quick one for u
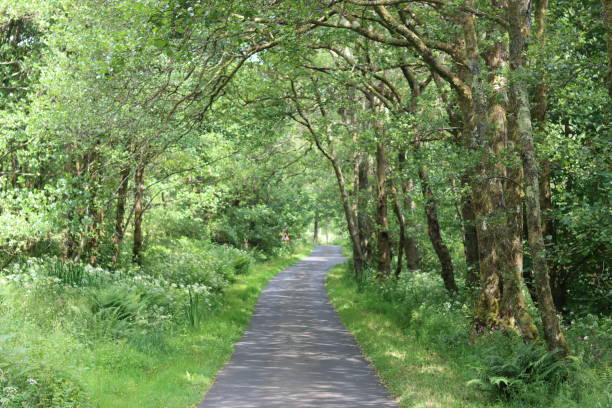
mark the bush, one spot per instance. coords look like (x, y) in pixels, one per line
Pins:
(511, 370)
(69, 273)
(259, 227)
(51, 391)
(188, 262)
(27, 383)
(591, 338)
(242, 263)
(427, 310)
(121, 304)
(116, 311)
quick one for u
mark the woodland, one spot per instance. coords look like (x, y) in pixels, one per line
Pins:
(154, 152)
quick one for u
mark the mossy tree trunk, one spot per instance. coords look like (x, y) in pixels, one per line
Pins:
(411, 248)
(470, 237)
(518, 13)
(495, 186)
(122, 192)
(382, 217)
(139, 190)
(364, 221)
(435, 235)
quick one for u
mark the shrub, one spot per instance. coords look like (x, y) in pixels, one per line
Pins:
(115, 312)
(591, 338)
(258, 227)
(511, 370)
(32, 385)
(188, 262)
(427, 310)
(231, 260)
(242, 263)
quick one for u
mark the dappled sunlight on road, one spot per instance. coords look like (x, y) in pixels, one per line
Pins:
(296, 352)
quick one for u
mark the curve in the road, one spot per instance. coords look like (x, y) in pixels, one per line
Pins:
(296, 352)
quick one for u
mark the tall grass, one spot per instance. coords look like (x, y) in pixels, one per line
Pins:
(193, 309)
(69, 273)
(76, 336)
(418, 338)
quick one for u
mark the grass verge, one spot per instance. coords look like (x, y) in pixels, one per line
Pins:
(415, 374)
(180, 374)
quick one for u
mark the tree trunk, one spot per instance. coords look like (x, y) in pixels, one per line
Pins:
(122, 192)
(539, 112)
(411, 249)
(382, 218)
(474, 138)
(500, 302)
(507, 209)
(401, 221)
(484, 188)
(364, 221)
(349, 213)
(470, 238)
(518, 17)
(433, 228)
(358, 261)
(138, 213)
(315, 235)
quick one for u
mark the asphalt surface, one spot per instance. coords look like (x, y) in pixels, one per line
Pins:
(296, 352)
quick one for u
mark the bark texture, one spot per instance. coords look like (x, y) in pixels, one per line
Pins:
(495, 192)
(519, 30)
(138, 213)
(558, 276)
(382, 216)
(411, 248)
(364, 221)
(401, 222)
(470, 237)
(119, 233)
(315, 234)
(433, 228)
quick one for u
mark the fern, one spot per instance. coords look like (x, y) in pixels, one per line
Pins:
(524, 372)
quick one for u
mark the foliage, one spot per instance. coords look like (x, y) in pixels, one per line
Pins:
(45, 389)
(524, 373)
(424, 356)
(426, 309)
(28, 382)
(592, 337)
(190, 262)
(58, 318)
(152, 152)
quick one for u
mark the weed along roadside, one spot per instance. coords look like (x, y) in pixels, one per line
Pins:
(105, 358)
(179, 379)
(420, 346)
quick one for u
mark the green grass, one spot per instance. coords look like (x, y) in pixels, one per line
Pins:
(416, 375)
(180, 374)
(423, 353)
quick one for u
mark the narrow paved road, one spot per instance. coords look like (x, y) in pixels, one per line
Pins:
(296, 352)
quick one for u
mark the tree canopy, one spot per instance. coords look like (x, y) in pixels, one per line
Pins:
(469, 139)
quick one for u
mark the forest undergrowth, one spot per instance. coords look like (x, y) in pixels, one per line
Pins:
(73, 335)
(427, 352)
